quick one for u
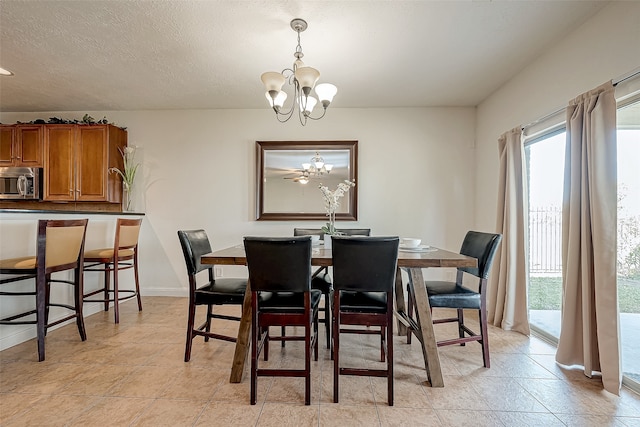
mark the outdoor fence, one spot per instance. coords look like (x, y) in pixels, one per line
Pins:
(545, 240)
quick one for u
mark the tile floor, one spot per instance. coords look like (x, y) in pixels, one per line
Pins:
(133, 374)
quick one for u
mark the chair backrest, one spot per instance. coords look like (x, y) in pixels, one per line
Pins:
(279, 264)
(482, 246)
(127, 233)
(195, 243)
(364, 263)
(319, 232)
(61, 243)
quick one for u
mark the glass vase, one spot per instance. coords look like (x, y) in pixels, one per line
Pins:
(327, 241)
(126, 198)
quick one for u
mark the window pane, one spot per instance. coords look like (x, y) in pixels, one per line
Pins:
(629, 237)
(545, 166)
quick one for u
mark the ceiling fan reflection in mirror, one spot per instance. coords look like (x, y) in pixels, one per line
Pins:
(302, 177)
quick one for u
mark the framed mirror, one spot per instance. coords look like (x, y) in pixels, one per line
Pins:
(290, 172)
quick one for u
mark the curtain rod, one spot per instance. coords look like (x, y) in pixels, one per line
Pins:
(615, 82)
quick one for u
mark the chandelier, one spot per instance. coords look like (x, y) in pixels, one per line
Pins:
(303, 80)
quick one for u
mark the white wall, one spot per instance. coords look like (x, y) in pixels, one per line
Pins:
(604, 48)
(416, 177)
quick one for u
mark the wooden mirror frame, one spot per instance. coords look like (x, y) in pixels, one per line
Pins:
(351, 197)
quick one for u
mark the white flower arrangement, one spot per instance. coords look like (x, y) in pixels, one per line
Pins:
(332, 202)
(129, 173)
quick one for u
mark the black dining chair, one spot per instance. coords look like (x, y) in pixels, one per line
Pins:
(281, 295)
(321, 279)
(444, 294)
(213, 292)
(364, 270)
(59, 247)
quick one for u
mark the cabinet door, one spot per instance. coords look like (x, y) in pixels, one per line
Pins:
(7, 146)
(59, 160)
(29, 144)
(91, 158)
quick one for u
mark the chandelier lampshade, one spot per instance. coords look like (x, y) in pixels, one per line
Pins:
(301, 79)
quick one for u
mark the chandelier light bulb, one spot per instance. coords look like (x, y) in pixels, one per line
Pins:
(326, 92)
(306, 104)
(307, 77)
(272, 81)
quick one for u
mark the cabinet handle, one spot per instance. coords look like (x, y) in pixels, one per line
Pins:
(18, 157)
(77, 191)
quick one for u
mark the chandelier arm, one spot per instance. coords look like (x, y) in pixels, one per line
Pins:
(324, 111)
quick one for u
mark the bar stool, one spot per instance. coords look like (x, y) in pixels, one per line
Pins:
(60, 247)
(122, 256)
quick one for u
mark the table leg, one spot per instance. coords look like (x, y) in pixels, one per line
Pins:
(242, 343)
(425, 322)
(400, 303)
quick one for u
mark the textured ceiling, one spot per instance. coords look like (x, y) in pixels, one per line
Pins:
(147, 55)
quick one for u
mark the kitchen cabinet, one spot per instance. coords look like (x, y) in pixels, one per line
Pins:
(77, 159)
(22, 145)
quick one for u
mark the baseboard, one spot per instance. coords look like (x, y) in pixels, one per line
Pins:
(164, 292)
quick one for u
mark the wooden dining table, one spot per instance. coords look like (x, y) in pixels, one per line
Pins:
(411, 262)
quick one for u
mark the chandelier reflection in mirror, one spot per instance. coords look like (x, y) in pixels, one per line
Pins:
(317, 167)
(303, 80)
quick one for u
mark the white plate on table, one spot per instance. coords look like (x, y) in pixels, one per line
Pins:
(421, 248)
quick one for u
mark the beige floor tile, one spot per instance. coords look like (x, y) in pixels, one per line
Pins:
(98, 379)
(529, 419)
(53, 410)
(45, 377)
(229, 414)
(115, 411)
(506, 394)
(590, 420)
(241, 393)
(288, 415)
(407, 393)
(193, 383)
(407, 417)
(341, 415)
(471, 418)
(12, 404)
(292, 390)
(352, 390)
(166, 412)
(145, 381)
(457, 393)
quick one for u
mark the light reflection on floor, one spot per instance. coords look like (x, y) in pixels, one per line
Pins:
(549, 321)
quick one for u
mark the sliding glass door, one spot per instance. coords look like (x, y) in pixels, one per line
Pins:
(629, 238)
(545, 169)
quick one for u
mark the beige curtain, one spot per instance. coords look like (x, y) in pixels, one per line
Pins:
(590, 318)
(507, 293)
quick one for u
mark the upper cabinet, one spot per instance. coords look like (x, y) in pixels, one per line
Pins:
(77, 159)
(21, 145)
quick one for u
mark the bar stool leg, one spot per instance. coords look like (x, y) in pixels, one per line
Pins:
(135, 273)
(107, 283)
(41, 289)
(78, 291)
(116, 311)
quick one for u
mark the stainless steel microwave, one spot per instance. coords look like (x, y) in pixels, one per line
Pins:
(20, 183)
